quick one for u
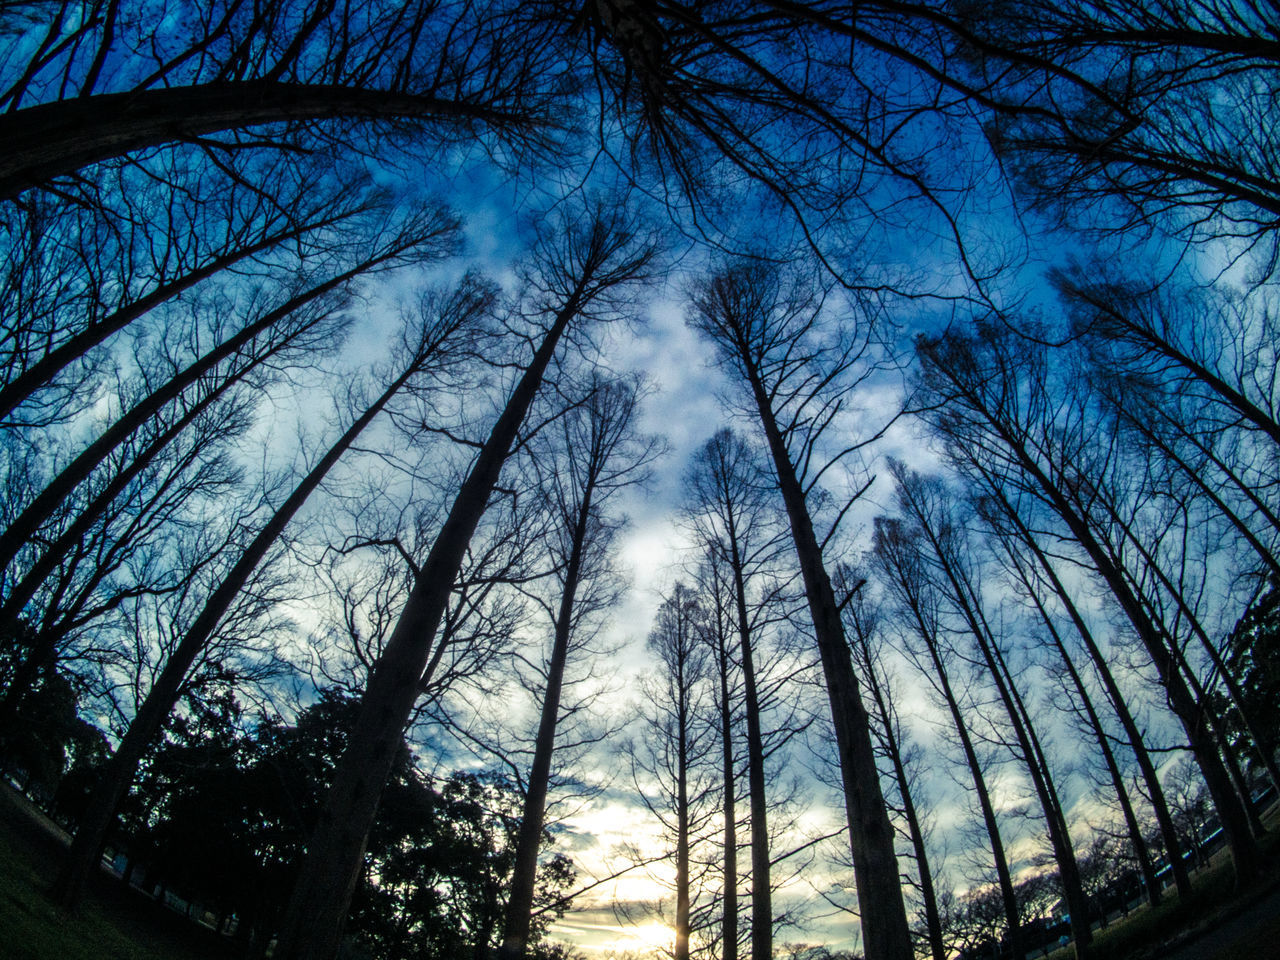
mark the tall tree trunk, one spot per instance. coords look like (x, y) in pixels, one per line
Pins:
(681, 951)
(313, 924)
(761, 883)
(54, 553)
(892, 748)
(728, 771)
(1134, 829)
(1119, 704)
(57, 138)
(519, 912)
(1234, 693)
(110, 789)
(24, 527)
(1004, 879)
(883, 915)
(1232, 816)
(967, 602)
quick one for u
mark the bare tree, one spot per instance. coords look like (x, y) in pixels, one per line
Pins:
(716, 635)
(572, 278)
(862, 619)
(1174, 594)
(97, 81)
(438, 338)
(155, 546)
(217, 389)
(668, 762)
(598, 455)
(1081, 701)
(899, 557)
(995, 398)
(798, 368)
(730, 507)
(371, 574)
(1009, 520)
(1144, 111)
(206, 392)
(928, 505)
(411, 241)
(85, 273)
(1181, 339)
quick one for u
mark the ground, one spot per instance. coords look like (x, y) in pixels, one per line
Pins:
(114, 924)
(123, 924)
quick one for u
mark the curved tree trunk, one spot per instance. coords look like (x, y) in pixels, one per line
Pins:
(52, 363)
(53, 139)
(24, 527)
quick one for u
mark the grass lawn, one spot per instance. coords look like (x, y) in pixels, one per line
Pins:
(1143, 932)
(33, 930)
(113, 924)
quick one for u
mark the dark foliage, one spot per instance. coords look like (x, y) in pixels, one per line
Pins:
(221, 814)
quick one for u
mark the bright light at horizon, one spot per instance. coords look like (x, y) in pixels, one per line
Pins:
(651, 934)
(643, 939)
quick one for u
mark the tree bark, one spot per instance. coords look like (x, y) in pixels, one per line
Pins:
(519, 912)
(313, 924)
(883, 916)
(58, 138)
